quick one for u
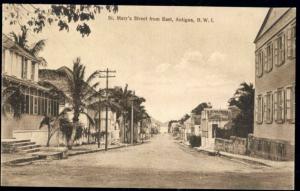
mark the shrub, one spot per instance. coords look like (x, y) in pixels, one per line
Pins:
(195, 141)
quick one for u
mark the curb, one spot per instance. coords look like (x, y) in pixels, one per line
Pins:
(244, 160)
(93, 151)
(21, 160)
(221, 154)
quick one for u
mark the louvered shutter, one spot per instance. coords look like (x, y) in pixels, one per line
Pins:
(283, 49)
(256, 64)
(265, 60)
(276, 52)
(289, 43)
(275, 106)
(282, 104)
(271, 108)
(265, 108)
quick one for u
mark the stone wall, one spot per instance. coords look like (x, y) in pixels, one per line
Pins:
(235, 145)
(270, 148)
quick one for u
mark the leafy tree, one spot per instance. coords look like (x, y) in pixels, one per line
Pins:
(244, 99)
(13, 97)
(197, 110)
(37, 17)
(80, 91)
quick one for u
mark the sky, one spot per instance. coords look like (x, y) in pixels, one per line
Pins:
(174, 65)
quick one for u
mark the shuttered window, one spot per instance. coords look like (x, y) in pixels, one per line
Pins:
(259, 63)
(259, 109)
(281, 50)
(269, 58)
(279, 111)
(291, 42)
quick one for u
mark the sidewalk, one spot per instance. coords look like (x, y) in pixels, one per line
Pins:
(288, 165)
(20, 159)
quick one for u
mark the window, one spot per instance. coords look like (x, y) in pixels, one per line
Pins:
(279, 106)
(290, 104)
(46, 106)
(24, 67)
(35, 106)
(32, 70)
(259, 109)
(26, 103)
(291, 42)
(259, 63)
(279, 50)
(31, 104)
(269, 58)
(268, 107)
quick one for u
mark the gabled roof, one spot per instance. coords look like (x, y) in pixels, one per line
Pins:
(275, 14)
(10, 44)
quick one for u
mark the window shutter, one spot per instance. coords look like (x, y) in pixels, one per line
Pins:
(276, 52)
(283, 105)
(265, 108)
(265, 60)
(294, 41)
(275, 105)
(293, 104)
(271, 58)
(256, 109)
(261, 109)
(289, 43)
(271, 108)
(283, 49)
(256, 64)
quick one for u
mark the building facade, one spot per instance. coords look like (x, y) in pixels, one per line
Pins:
(275, 59)
(211, 120)
(20, 69)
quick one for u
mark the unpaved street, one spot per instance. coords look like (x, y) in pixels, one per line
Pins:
(159, 163)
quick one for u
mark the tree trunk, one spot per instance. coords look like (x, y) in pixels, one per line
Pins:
(71, 140)
(48, 140)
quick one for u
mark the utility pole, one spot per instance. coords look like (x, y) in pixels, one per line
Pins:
(131, 128)
(107, 72)
(99, 128)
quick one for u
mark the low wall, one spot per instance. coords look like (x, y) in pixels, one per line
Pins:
(235, 145)
(270, 148)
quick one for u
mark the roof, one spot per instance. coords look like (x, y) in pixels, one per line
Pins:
(10, 44)
(24, 82)
(273, 15)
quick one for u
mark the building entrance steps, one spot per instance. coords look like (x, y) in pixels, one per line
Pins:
(18, 146)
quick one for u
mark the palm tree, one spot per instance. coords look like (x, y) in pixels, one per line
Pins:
(53, 123)
(81, 91)
(22, 41)
(123, 99)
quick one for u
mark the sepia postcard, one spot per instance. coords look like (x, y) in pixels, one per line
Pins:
(115, 96)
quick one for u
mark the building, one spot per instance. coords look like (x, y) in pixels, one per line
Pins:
(275, 60)
(20, 69)
(211, 120)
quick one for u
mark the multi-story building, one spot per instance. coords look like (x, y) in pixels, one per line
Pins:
(20, 69)
(275, 58)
